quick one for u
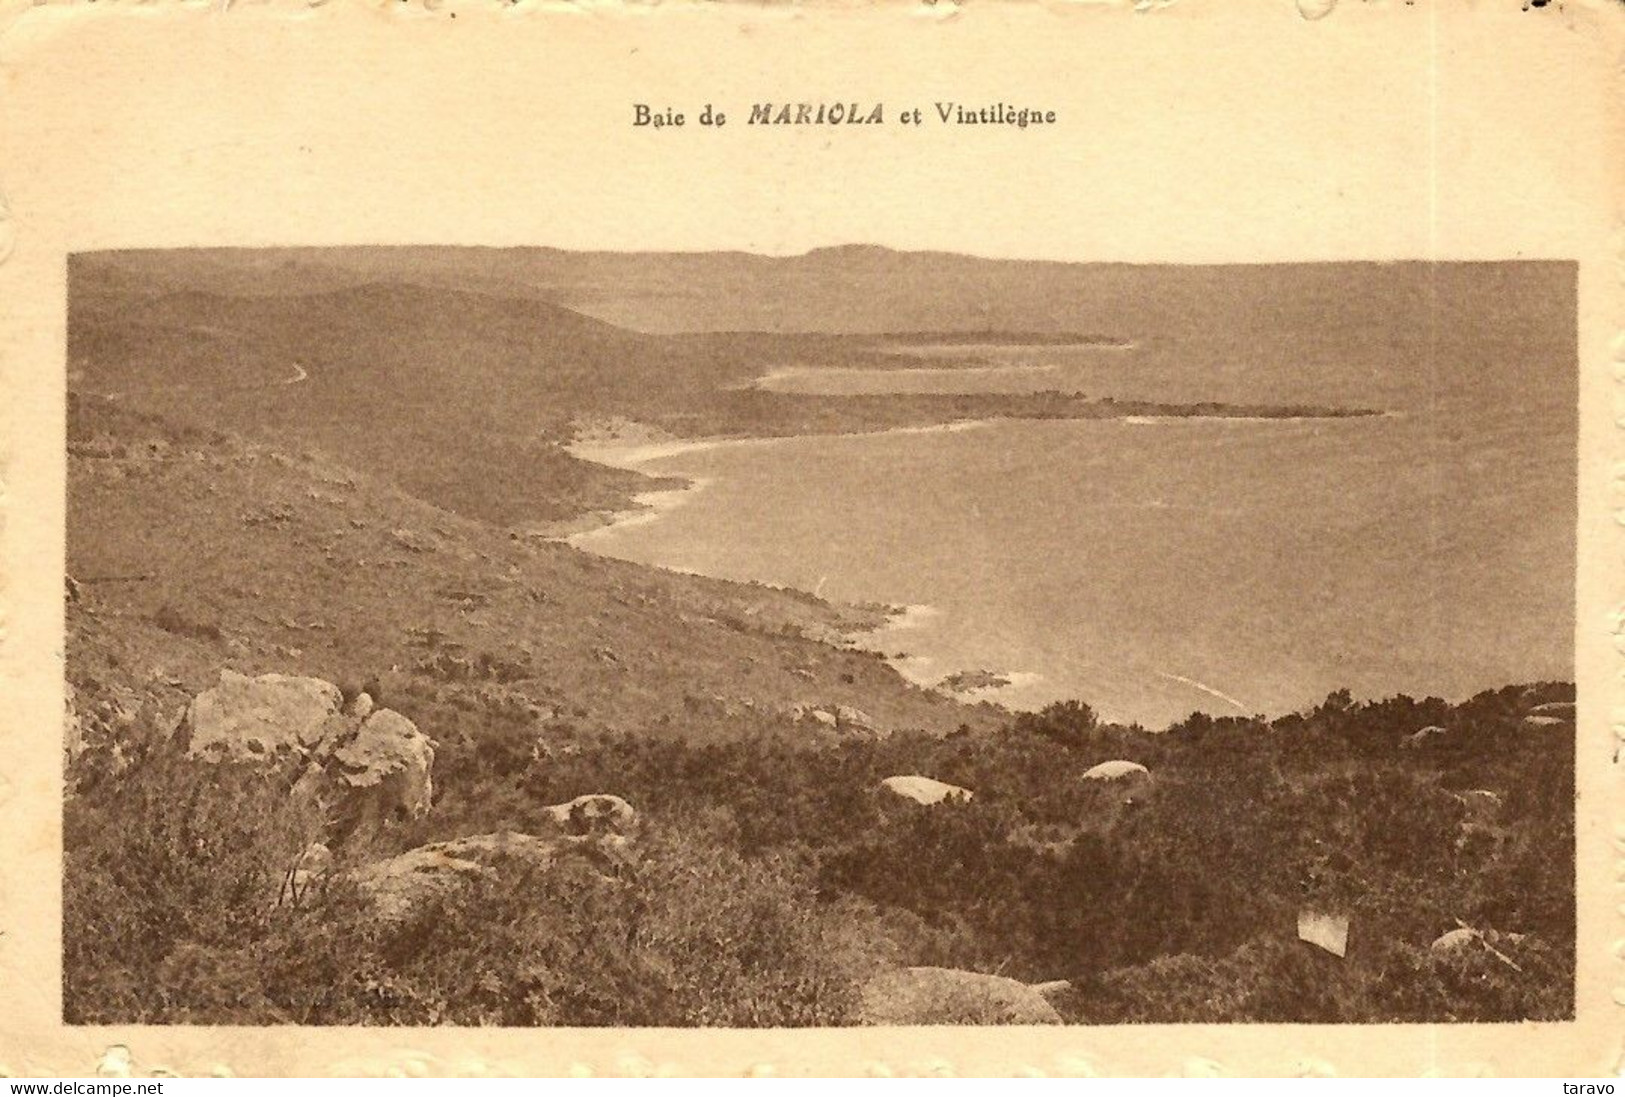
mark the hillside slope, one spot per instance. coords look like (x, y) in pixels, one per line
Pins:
(197, 550)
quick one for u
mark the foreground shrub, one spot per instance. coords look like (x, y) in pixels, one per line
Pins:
(171, 916)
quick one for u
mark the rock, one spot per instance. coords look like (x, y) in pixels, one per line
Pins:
(389, 765)
(1456, 940)
(1118, 769)
(855, 719)
(1422, 737)
(1055, 988)
(255, 719)
(400, 885)
(945, 996)
(1544, 722)
(365, 766)
(1467, 939)
(925, 790)
(1563, 710)
(807, 714)
(596, 814)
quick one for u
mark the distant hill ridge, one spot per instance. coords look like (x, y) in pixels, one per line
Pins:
(853, 288)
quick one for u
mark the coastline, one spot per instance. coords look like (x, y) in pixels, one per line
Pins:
(646, 445)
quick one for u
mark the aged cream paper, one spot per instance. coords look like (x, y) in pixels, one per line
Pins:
(1184, 133)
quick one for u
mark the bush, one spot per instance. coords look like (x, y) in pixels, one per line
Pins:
(175, 860)
(774, 875)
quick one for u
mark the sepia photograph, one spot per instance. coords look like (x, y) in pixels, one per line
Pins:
(526, 637)
(613, 540)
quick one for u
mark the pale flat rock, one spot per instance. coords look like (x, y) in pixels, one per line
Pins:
(1456, 940)
(946, 996)
(925, 790)
(1117, 769)
(255, 719)
(809, 714)
(1423, 736)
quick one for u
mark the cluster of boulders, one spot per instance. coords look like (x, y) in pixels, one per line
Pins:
(365, 765)
(1550, 714)
(368, 767)
(842, 719)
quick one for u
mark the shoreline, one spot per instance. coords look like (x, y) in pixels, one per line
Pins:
(971, 681)
(649, 505)
(766, 382)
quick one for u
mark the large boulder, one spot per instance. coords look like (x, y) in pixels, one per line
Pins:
(387, 768)
(945, 996)
(1118, 769)
(925, 790)
(247, 719)
(401, 885)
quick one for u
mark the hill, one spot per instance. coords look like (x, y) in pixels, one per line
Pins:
(466, 395)
(195, 550)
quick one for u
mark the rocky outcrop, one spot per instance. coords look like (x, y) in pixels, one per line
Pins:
(247, 719)
(388, 767)
(841, 719)
(402, 885)
(925, 790)
(946, 996)
(368, 766)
